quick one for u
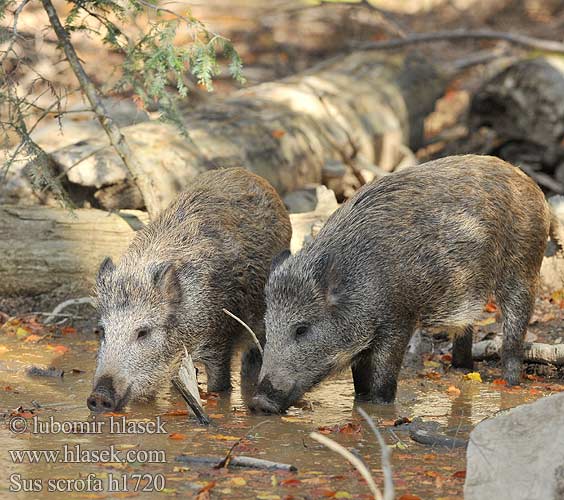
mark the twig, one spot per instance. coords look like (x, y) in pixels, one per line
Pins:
(386, 18)
(250, 462)
(16, 14)
(389, 492)
(247, 327)
(477, 58)
(67, 303)
(228, 457)
(425, 436)
(437, 36)
(359, 465)
(117, 140)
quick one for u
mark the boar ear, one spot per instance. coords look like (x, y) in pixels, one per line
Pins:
(278, 259)
(328, 278)
(106, 267)
(163, 277)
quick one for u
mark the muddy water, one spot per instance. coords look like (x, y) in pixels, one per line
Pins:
(418, 470)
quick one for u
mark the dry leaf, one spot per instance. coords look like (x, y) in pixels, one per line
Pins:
(473, 376)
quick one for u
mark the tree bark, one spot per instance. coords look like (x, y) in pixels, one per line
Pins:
(525, 102)
(51, 249)
(358, 108)
(533, 352)
(117, 140)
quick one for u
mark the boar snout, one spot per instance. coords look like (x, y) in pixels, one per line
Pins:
(103, 397)
(270, 400)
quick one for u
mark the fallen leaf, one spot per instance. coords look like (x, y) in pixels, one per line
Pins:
(207, 487)
(3, 348)
(222, 437)
(33, 338)
(177, 435)
(176, 413)
(59, 349)
(68, 330)
(408, 496)
(21, 333)
(238, 481)
(342, 494)
(557, 296)
(290, 482)
(267, 496)
(278, 133)
(348, 428)
(453, 390)
(490, 307)
(473, 376)
(460, 474)
(499, 381)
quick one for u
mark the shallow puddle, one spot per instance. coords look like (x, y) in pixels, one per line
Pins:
(148, 460)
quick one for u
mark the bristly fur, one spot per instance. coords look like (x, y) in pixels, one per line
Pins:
(425, 246)
(210, 249)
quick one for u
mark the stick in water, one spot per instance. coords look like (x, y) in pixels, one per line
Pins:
(389, 493)
(359, 465)
(187, 385)
(247, 327)
(250, 462)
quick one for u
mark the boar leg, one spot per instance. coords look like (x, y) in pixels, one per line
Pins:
(251, 364)
(218, 369)
(375, 370)
(516, 308)
(462, 348)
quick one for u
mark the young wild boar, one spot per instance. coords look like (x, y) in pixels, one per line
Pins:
(426, 246)
(210, 249)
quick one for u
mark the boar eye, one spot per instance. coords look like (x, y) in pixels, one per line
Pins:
(143, 333)
(100, 332)
(301, 330)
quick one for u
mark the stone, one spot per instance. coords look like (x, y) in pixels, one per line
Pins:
(518, 455)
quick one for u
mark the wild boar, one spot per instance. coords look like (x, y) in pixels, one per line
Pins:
(426, 246)
(210, 249)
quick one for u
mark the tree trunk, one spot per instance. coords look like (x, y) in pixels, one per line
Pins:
(358, 108)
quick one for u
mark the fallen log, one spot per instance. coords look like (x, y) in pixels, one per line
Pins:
(533, 352)
(48, 250)
(523, 105)
(362, 107)
(51, 249)
(525, 101)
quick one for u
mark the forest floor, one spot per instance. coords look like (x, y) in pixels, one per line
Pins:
(429, 389)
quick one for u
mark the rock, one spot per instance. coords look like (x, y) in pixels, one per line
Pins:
(518, 455)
